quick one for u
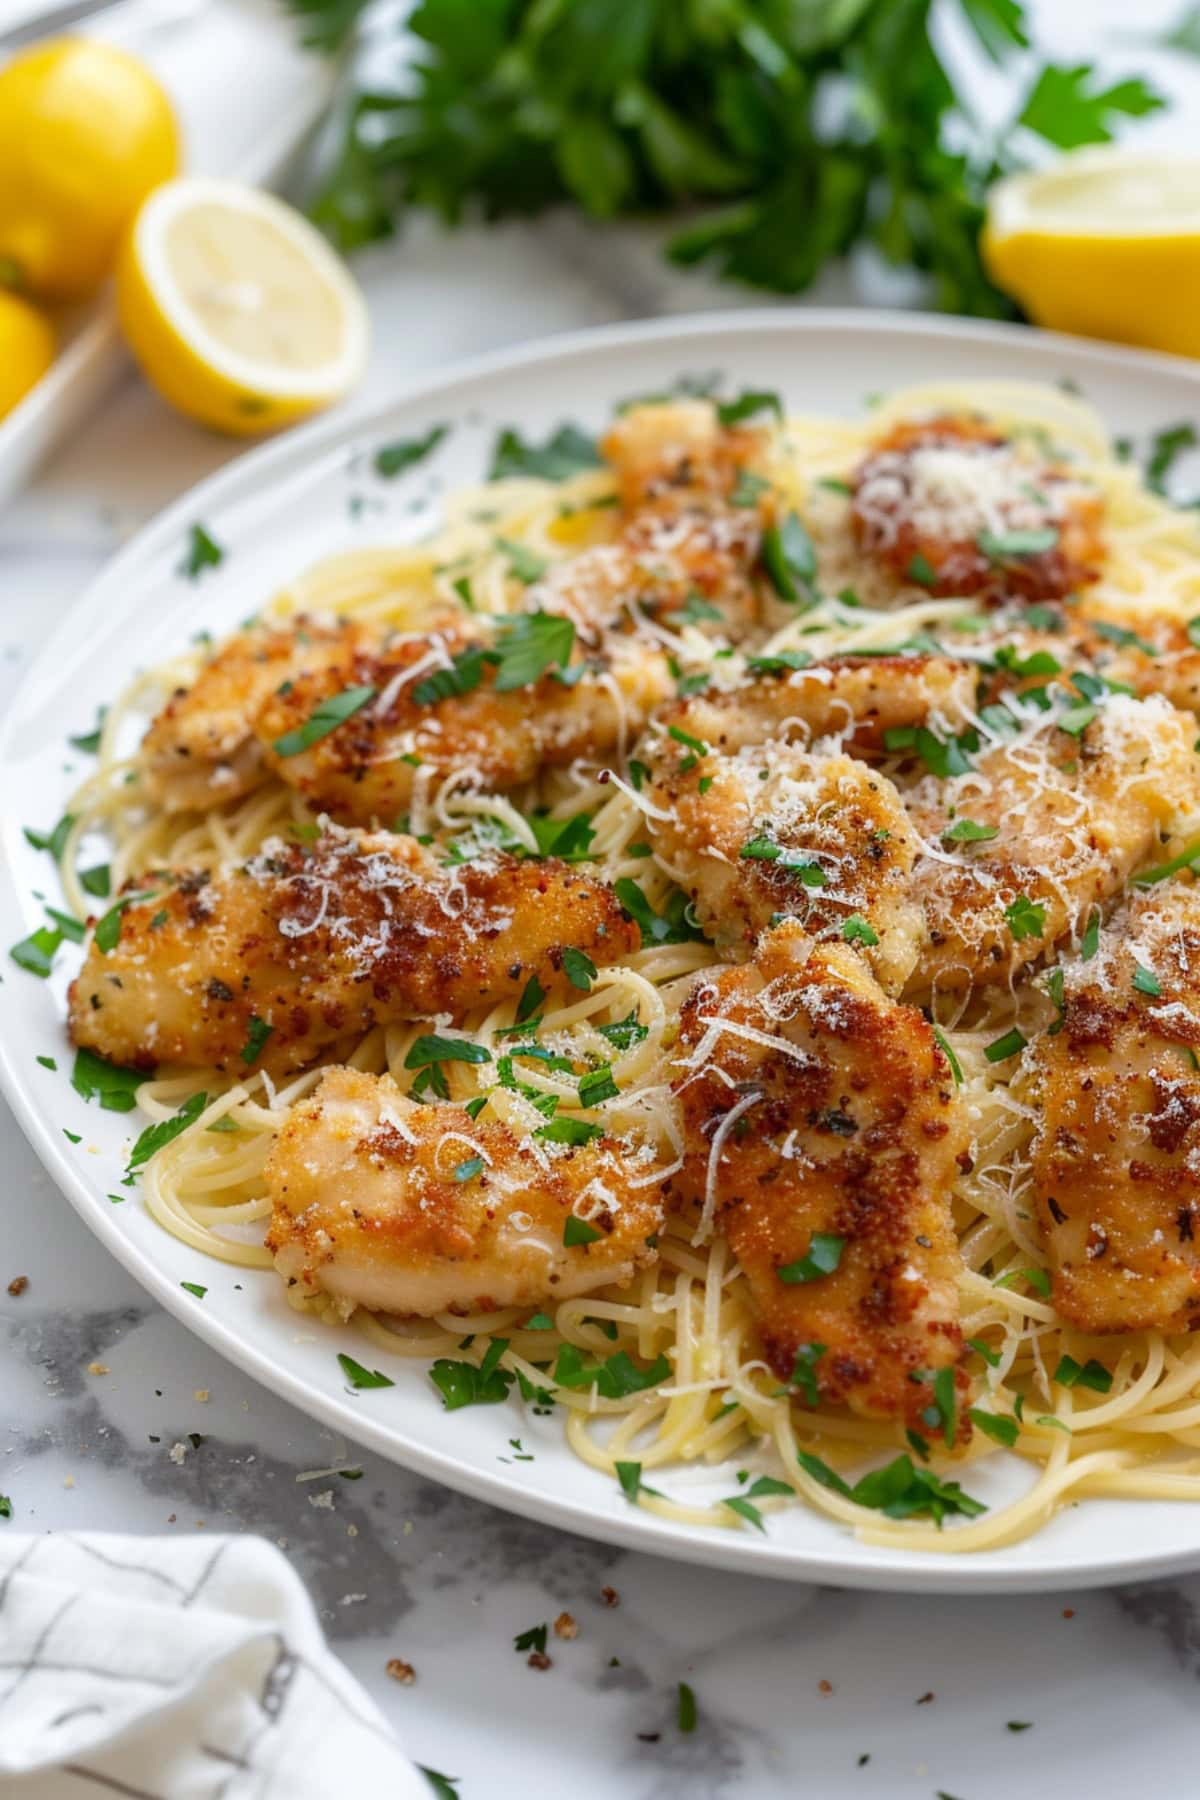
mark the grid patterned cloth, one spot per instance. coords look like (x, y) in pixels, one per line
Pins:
(188, 1668)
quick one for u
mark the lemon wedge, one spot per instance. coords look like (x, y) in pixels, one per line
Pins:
(26, 349)
(236, 308)
(1104, 242)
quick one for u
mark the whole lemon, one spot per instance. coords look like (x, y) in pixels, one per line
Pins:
(85, 133)
(26, 349)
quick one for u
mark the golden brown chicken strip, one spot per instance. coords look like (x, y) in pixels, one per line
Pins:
(201, 750)
(952, 505)
(777, 831)
(1116, 1154)
(856, 699)
(431, 706)
(822, 1127)
(1042, 826)
(299, 951)
(419, 1209)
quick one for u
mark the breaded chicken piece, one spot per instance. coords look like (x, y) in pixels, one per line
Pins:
(1073, 814)
(415, 1209)
(952, 505)
(1116, 1152)
(837, 1138)
(690, 528)
(777, 830)
(854, 698)
(320, 945)
(365, 768)
(201, 751)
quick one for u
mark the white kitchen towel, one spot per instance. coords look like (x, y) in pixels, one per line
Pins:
(188, 1668)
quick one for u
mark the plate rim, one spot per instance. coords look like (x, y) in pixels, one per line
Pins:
(262, 467)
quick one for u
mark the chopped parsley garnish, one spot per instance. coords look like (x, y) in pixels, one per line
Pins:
(154, 1137)
(54, 841)
(533, 1639)
(463, 1384)
(6, 1507)
(392, 459)
(835, 485)
(48, 1062)
(468, 1170)
(532, 995)
(108, 927)
(1039, 662)
(578, 1231)
(789, 559)
(673, 925)
(1076, 719)
(579, 969)
(856, 930)
(1034, 1278)
(694, 744)
(35, 954)
(746, 404)
(568, 839)
(748, 490)
(324, 718)
(780, 663)
(435, 1049)
(970, 831)
(96, 1079)
(566, 452)
(539, 1322)
(96, 881)
(696, 607)
(743, 1504)
(1000, 1429)
(358, 1377)
(1162, 871)
(524, 564)
(922, 571)
(445, 1787)
(203, 552)
(1120, 634)
(764, 849)
(1001, 1048)
(999, 545)
(89, 741)
(193, 1287)
(257, 1033)
(67, 924)
(687, 1708)
(614, 1379)
(529, 645)
(899, 1490)
(1090, 942)
(1091, 1374)
(947, 1050)
(574, 1132)
(624, 1033)
(1146, 981)
(1166, 445)
(944, 757)
(596, 1086)
(804, 1372)
(1026, 918)
(465, 672)
(991, 1357)
(629, 1474)
(822, 1257)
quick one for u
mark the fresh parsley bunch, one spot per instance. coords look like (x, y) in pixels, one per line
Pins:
(799, 128)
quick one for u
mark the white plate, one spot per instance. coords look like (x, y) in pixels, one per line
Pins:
(275, 511)
(246, 94)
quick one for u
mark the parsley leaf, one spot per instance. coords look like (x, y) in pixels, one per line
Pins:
(435, 1049)
(789, 559)
(463, 1384)
(565, 452)
(358, 1377)
(671, 926)
(325, 717)
(577, 1231)
(96, 1079)
(393, 459)
(203, 552)
(578, 968)
(1026, 918)
(614, 1379)
(1068, 110)
(822, 1257)
(154, 1137)
(529, 645)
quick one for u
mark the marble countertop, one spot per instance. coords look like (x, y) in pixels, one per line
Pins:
(799, 1689)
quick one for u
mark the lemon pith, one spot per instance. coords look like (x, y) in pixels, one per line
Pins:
(236, 309)
(85, 133)
(1105, 243)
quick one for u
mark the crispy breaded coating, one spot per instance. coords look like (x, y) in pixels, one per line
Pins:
(365, 769)
(419, 1209)
(201, 750)
(775, 830)
(1073, 813)
(320, 945)
(952, 505)
(816, 1108)
(1116, 1153)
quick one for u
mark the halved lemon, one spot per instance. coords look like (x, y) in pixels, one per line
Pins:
(26, 349)
(236, 308)
(1104, 242)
